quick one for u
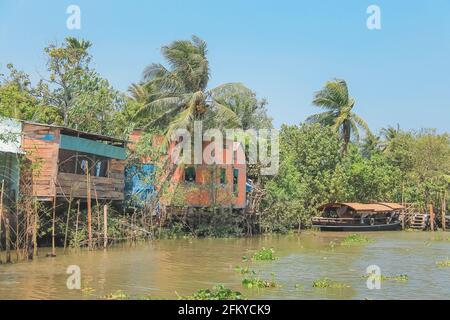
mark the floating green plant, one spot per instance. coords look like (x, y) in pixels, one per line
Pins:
(218, 292)
(118, 295)
(264, 254)
(401, 277)
(443, 263)
(244, 270)
(88, 290)
(328, 283)
(355, 239)
(257, 282)
(121, 295)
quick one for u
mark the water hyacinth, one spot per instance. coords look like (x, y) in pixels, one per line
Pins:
(328, 283)
(355, 239)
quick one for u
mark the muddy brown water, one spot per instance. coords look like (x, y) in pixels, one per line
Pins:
(167, 268)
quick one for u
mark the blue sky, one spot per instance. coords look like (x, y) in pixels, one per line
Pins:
(283, 50)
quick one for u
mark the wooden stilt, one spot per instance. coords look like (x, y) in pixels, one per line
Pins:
(35, 229)
(53, 228)
(105, 226)
(67, 221)
(403, 219)
(78, 218)
(89, 212)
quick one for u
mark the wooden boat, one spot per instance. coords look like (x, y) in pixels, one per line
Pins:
(358, 217)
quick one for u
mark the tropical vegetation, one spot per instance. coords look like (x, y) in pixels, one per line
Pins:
(326, 158)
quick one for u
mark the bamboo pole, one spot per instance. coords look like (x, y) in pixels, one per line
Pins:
(431, 217)
(99, 225)
(89, 206)
(35, 231)
(67, 221)
(105, 226)
(53, 227)
(78, 218)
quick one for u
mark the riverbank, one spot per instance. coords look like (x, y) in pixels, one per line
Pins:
(167, 268)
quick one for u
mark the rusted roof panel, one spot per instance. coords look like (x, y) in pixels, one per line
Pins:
(393, 206)
(364, 207)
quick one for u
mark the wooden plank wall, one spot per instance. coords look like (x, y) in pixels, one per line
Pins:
(41, 145)
(102, 188)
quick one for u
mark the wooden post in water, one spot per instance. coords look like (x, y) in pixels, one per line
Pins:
(105, 226)
(67, 221)
(403, 218)
(431, 217)
(89, 213)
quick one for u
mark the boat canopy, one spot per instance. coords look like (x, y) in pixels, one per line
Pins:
(363, 207)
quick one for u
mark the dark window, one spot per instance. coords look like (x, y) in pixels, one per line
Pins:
(100, 167)
(235, 180)
(223, 176)
(76, 162)
(189, 174)
(67, 161)
(83, 163)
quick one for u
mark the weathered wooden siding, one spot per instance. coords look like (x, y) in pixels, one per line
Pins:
(101, 188)
(41, 145)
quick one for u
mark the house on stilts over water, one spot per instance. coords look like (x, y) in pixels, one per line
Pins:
(63, 158)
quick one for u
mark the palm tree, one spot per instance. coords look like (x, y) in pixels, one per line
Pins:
(138, 93)
(389, 134)
(371, 145)
(178, 94)
(334, 98)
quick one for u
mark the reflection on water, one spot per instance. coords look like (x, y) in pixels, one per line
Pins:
(169, 267)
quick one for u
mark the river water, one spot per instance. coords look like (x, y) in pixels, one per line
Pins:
(165, 268)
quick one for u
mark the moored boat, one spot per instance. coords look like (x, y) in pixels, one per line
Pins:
(359, 217)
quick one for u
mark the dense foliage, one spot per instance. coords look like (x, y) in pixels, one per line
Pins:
(410, 167)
